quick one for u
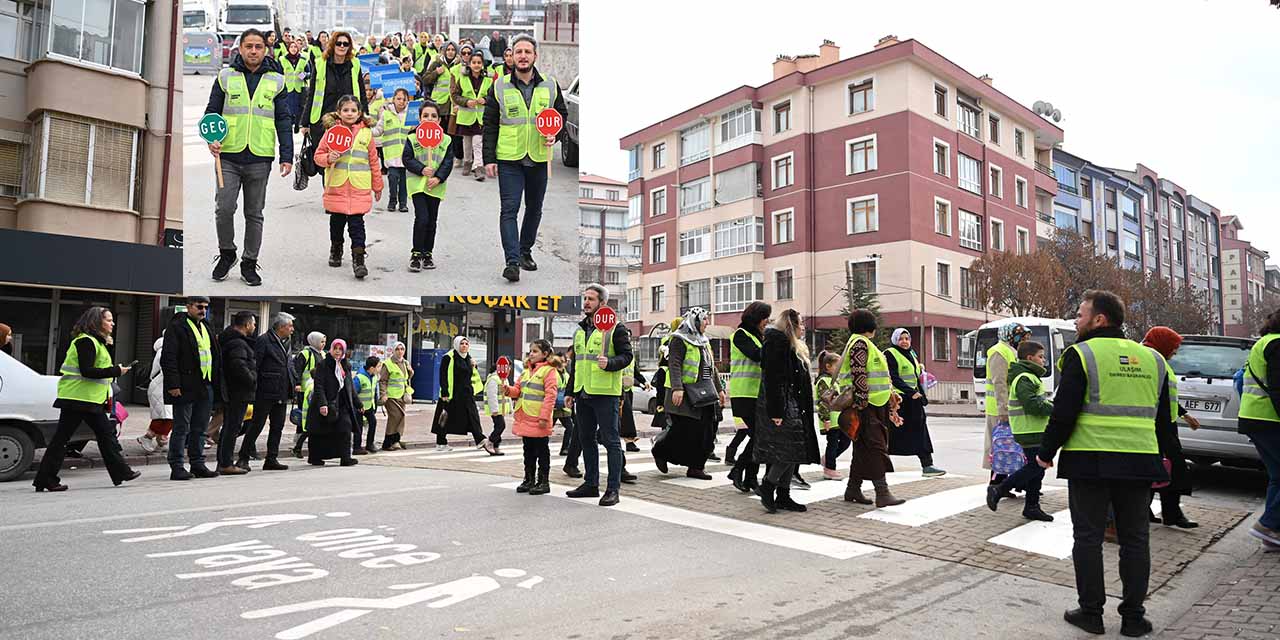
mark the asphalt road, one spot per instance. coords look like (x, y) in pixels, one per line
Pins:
(295, 248)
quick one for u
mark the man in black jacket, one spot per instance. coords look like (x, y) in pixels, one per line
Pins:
(191, 362)
(276, 382)
(239, 384)
(1099, 478)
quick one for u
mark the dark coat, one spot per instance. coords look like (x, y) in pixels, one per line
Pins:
(180, 360)
(337, 83)
(912, 438)
(239, 368)
(787, 393)
(328, 434)
(276, 379)
(284, 137)
(464, 417)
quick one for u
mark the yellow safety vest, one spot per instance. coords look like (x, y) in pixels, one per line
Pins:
(533, 389)
(1020, 422)
(416, 182)
(518, 135)
(1009, 355)
(251, 120)
(1119, 412)
(744, 373)
(365, 395)
(446, 378)
(205, 347)
(692, 364)
(826, 419)
(444, 81)
(353, 165)
(1255, 403)
(909, 369)
(317, 101)
(879, 386)
(504, 403)
(73, 386)
(587, 375)
(394, 132)
(293, 74)
(472, 115)
(396, 380)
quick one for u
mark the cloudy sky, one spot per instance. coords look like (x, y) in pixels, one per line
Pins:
(1190, 88)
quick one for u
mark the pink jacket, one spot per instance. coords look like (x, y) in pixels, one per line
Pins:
(346, 198)
(538, 426)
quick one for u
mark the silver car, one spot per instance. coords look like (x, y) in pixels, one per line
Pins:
(1205, 367)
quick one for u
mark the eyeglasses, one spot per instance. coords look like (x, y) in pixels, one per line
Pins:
(200, 306)
(341, 44)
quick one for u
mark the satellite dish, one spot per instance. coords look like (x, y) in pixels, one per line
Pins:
(1038, 107)
(1057, 115)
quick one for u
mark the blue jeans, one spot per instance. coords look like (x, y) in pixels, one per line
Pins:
(599, 412)
(516, 180)
(190, 420)
(837, 442)
(397, 191)
(1268, 446)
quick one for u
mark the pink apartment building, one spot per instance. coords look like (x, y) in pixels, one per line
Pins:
(1243, 278)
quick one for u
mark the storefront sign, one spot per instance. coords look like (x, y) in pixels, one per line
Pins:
(527, 303)
(432, 325)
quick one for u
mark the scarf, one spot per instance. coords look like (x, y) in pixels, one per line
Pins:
(897, 333)
(338, 371)
(395, 358)
(692, 326)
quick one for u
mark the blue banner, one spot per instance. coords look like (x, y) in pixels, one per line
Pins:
(369, 60)
(411, 118)
(402, 80)
(376, 73)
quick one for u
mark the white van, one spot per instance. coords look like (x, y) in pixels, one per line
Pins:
(1053, 333)
(27, 417)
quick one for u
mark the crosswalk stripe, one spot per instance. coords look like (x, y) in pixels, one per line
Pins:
(944, 504)
(450, 456)
(1053, 539)
(777, 536)
(718, 479)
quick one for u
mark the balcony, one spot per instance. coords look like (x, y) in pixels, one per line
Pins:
(1045, 169)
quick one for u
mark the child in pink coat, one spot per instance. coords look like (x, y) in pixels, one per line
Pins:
(535, 430)
(346, 196)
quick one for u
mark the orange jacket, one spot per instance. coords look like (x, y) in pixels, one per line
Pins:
(539, 426)
(346, 198)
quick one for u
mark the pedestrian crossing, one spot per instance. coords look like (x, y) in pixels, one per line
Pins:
(1051, 539)
(931, 508)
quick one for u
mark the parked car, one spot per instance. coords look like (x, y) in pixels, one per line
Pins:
(27, 417)
(645, 400)
(1205, 366)
(569, 148)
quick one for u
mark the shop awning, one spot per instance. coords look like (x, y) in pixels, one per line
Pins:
(53, 260)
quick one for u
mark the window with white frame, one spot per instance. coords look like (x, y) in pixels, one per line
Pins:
(659, 155)
(735, 292)
(695, 143)
(589, 246)
(694, 293)
(738, 183)
(969, 121)
(586, 193)
(10, 168)
(785, 284)
(695, 245)
(633, 304)
(784, 230)
(658, 298)
(968, 289)
(612, 277)
(941, 157)
(862, 96)
(993, 128)
(941, 216)
(941, 344)
(83, 161)
(696, 195)
(863, 275)
(611, 194)
(1131, 246)
(940, 100)
(964, 352)
(970, 230)
(863, 214)
(1020, 191)
(587, 275)
(635, 210)
(102, 32)
(996, 187)
(782, 117)
(615, 220)
(997, 234)
(944, 279)
(970, 173)
(1019, 143)
(17, 29)
(658, 202)
(860, 155)
(589, 218)
(1024, 241)
(736, 237)
(739, 123)
(782, 171)
(658, 249)
(637, 250)
(613, 249)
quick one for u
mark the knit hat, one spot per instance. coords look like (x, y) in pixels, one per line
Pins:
(1162, 339)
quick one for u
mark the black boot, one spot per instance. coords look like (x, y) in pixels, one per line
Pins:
(357, 263)
(784, 501)
(528, 479)
(226, 260)
(543, 485)
(766, 492)
(1031, 509)
(735, 475)
(249, 272)
(749, 475)
(335, 254)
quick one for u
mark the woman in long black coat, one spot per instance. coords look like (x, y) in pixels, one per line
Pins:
(332, 413)
(459, 379)
(912, 438)
(784, 435)
(693, 429)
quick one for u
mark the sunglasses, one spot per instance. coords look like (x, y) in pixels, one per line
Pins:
(200, 306)
(342, 44)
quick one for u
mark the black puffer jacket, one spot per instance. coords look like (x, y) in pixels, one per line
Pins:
(787, 393)
(180, 360)
(239, 367)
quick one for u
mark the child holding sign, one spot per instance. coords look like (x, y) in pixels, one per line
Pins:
(536, 402)
(428, 168)
(352, 183)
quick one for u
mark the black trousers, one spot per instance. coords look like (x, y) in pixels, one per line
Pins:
(68, 421)
(262, 411)
(627, 419)
(1090, 500)
(499, 426)
(232, 421)
(570, 441)
(365, 419)
(426, 213)
(537, 454)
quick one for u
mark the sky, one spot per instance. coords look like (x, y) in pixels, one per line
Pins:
(1189, 88)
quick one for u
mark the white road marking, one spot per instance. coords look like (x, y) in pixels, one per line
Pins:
(1053, 539)
(718, 479)
(464, 454)
(777, 536)
(921, 511)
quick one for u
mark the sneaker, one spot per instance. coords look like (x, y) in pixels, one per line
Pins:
(223, 264)
(799, 482)
(1264, 534)
(932, 472)
(443, 448)
(249, 272)
(427, 262)
(415, 263)
(511, 273)
(162, 442)
(148, 444)
(403, 208)
(831, 474)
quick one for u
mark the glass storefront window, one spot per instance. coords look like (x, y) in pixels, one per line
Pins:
(30, 324)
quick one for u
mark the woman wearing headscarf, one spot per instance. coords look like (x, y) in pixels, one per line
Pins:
(304, 364)
(744, 388)
(333, 408)
(438, 79)
(456, 412)
(784, 437)
(1166, 341)
(1002, 354)
(394, 377)
(693, 428)
(907, 374)
(157, 435)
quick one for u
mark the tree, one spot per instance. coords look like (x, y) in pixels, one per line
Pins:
(1023, 285)
(1255, 314)
(1151, 300)
(858, 295)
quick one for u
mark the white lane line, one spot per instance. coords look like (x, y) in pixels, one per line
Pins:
(412, 452)
(1053, 539)
(463, 454)
(777, 536)
(921, 511)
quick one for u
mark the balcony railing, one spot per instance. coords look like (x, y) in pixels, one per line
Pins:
(1044, 217)
(1045, 169)
(1068, 188)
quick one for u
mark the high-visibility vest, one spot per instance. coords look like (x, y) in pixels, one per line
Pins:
(396, 380)
(251, 120)
(293, 74)
(1123, 389)
(1007, 352)
(73, 386)
(533, 389)
(504, 403)
(827, 419)
(444, 81)
(309, 359)
(353, 165)
(472, 115)
(365, 395)
(662, 366)
(879, 386)
(692, 364)
(420, 58)
(744, 373)
(204, 346)
(375, 110)
(431, 157)
(317, 101)
(308, 386)
(1255, 403)
(587, 375)
(909, 369)
(1019, 420)
(446, 379)
(394, 132)
(518, 135)
(629, 376)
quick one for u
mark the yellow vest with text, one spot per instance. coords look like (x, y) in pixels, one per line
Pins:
(1255, 403)
(293, 74)
(416, 182)
(744, 373)
(73, 386)
(1011, 357)
(317, 101)
(1122, 392)
(394, 132)
(251, 120)
(518, 135)
(353, 166)
(587, 374)
(444, 83)
(909, 369)
(879, 386)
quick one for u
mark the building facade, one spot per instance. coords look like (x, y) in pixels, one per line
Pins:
(1245, 278)
(604, 253)
(887, 168)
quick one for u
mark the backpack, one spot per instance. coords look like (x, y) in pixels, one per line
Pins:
(1006, 454)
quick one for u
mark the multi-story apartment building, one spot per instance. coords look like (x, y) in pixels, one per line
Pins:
(604, 254)
(1273, 280)
(1245, 277)
(871, 168)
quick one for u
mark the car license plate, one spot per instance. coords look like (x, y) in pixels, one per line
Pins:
(1204, 405)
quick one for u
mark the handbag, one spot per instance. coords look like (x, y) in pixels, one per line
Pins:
(307, 160)
(701, 393)
(407, 398)
(1168, 469)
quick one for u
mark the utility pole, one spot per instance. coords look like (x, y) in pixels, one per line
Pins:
(920, 350)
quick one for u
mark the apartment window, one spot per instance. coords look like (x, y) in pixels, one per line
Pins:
(637, 250)
(941, 157)
(970, 230)
(1066, 177)
(102, 32)
(944, 280)
(1020, 191)
(586, 193)
(612, 194)
(736, 237)
(739, 123)
(695, 143)
(997, 235)
(611, 277)
(696, 195)
(695, 245)
(613, 249)
(1086, 187)
(658, 298)
(970, 173)
(1150, 242)
(587, 275)
(784, 226)
(658, 249)
(782, 171)
(738, 183)
(862, 97)
(860, 155)
(85, 161)
(1178, 251)
(863, 215)
(941, 216)
(1019, 143)
(615, 220)
(695, 293)
(968, 289)
(1024, 241)
(993, 129)
(633, 304)
(1129, 207)
(10, 168)
(735, 292)
(17, 20)
(969, 121)
(589, 218)
(1131, 246)
(590, 246)
(785, 284)
(940, 100)
(658, 202)
(941, 344)
(782, 117)
(863, 275)
(997, 181)
(1086, 230)
(635, 206)
(659, 155)
(633, 163)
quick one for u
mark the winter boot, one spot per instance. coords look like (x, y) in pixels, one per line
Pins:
(528, 479)
(335, 254)
(357, 263)
(766, 493)
(226, 260)
(543, 485)
(883, 497)
(749, 475)
(735, 475)
(785, 502)
(853, 491)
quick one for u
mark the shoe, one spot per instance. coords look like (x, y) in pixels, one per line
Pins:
(53, 487)
(427, 262)
(712, 457)
(853, 492)
(403, 209)
(511, 273)
(932, 472)
(528, 483)
(1181, 523)
(178, 473)
(440, 448)
(572, 472)
(766, 492)
(735, 474)
(543, 485)
(132, 475)
(348, 462)
(148, 444)
(628, 478)
(993, 496)
(527, 263)
(357, 263)
(243, 463)
(1153, 518)
(273, 464)
(831, 474)
(226, 260)
(232, 470)
(316, 463)
(1036, 513)
(479, 177)
(415, 263)
(886, 499)
(799, 482)
(488, 447)
(201, 471)
(609, 498)
(297, 452)
(730, 459)
(1090, 623)
(660, 464)
(74, 454)
(584, 491)
(335, 254)
(700, 474)
(631, 448)
(249, 272)
(371, 449)
(784, 501)
(1135, 627)
(359, 452)
(1264, 534)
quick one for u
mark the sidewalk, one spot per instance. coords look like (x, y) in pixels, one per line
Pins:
(954, 410)
(1245, 603)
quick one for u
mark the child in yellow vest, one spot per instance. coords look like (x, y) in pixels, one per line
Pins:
(426, 187)
(394, 136)
(534, 413)
(351, 182)
(837, 439)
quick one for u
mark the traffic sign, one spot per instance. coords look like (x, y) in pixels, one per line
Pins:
(549, 122)
(605, 319)
(504, 368)
(213, 128)
(429, 134)
(339, 138)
